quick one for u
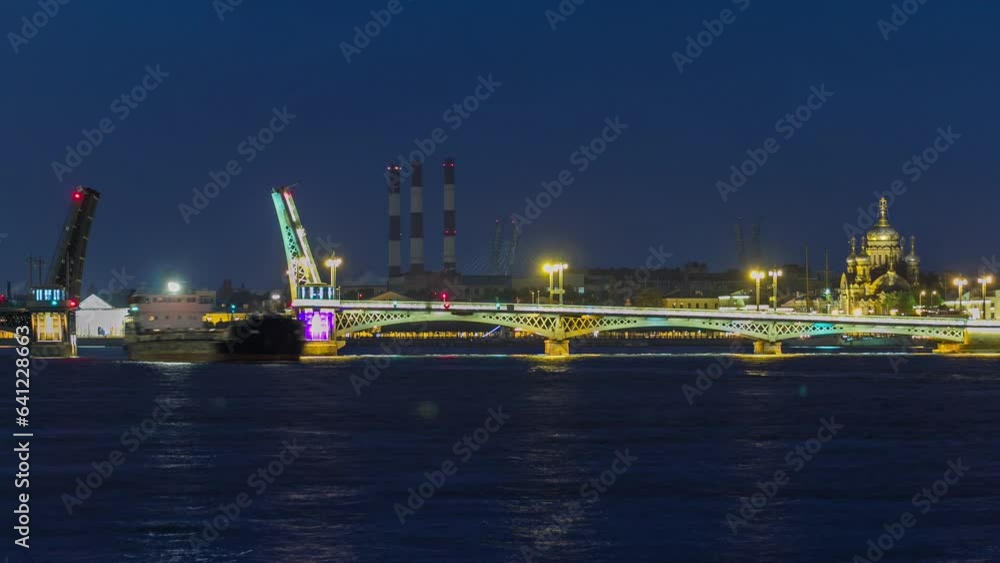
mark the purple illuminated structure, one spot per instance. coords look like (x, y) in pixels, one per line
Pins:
(319, 325)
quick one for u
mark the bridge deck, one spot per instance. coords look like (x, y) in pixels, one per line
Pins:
(646, 312)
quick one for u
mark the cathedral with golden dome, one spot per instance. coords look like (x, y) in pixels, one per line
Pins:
(879, 268)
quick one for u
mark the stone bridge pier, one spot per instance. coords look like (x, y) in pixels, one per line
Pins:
(557, 344)
(765, 348)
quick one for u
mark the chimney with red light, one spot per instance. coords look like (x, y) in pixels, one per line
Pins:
(417, 218)
(449, 216)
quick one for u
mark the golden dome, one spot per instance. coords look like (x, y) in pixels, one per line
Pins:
(853, 257)
(863, 257)
(882, 234)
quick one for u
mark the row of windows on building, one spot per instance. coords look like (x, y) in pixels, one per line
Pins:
(180, 299)
(49, 294)
(697, 305)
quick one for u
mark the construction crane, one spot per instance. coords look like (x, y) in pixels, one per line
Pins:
(302, 269)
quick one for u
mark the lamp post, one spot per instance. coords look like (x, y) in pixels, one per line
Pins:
(552, 272)
(333, 264)
(551, 269)
(921, 298)
(775, 274)
(562, 292)
(985, 280)
(757, 275)
(960, 283)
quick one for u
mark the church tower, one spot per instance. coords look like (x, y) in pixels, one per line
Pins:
(853, 258)
(863, 264)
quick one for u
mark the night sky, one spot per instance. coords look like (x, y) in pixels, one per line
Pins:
(655, 185)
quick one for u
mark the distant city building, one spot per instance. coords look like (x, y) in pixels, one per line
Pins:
(223, 317)
(974, 304)
(691, 302)
(735, 301)
(879, 268)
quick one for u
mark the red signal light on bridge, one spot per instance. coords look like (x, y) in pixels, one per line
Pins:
(72, 303)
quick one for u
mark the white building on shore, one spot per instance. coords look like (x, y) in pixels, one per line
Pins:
(95, 318)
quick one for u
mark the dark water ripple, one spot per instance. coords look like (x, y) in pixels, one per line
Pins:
(568, 418)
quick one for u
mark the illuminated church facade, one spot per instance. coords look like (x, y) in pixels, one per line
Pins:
(881, 266)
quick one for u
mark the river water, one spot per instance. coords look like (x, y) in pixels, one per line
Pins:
(521, 458)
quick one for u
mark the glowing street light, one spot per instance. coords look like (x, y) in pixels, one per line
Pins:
(333, 264)
(984, 281)
(551, 269)
(923, 293)
(173, 287)
(757, 275)
(775, 274)
(960, 283)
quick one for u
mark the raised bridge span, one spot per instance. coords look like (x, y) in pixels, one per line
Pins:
(558, 324)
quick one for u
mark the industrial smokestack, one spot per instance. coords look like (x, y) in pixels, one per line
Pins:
(417, 218)
(395, 230)
(755, 248)
(741, 251)
(449, 216)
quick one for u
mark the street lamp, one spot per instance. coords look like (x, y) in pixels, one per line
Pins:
(333, 264)
(173, 287)
(757, 275)
(775, 274)
(960, 283)
(985, 280)
(562, 292)
(551, 269)
(552, 272)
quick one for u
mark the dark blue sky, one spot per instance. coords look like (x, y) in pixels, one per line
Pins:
(655, 185)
